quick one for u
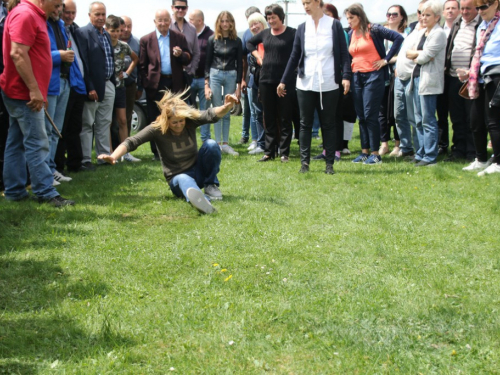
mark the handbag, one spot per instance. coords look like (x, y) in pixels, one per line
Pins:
(464, 91)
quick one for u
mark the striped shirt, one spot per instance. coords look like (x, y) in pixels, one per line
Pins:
(462, 46)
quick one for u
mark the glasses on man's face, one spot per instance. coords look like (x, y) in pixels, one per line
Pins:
(392, 15)
(180, 7)
(483, 7)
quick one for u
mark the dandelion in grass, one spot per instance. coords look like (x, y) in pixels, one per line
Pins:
(215, 264)
(223, 270)
(228, 278)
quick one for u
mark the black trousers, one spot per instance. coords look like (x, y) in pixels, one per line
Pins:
(309, 101)
(386, 115)
(463, 142)
(486, 119)
(277, 118)
(153, 110)
(70, 142)
(442, 115)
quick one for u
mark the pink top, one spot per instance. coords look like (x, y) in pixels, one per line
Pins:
(363, 53)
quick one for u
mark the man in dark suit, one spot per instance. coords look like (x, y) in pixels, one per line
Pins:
(162, 55)
(99, 66)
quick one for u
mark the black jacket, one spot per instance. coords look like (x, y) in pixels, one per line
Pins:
(224, 54)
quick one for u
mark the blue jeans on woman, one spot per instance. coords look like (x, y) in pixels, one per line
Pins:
(203, 173)
(57, 111)
(222, 80)
(27, 142)
(368, 92)
(426, 124)
(404, 116)
(257, 125)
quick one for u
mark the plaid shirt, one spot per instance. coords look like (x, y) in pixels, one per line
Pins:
(110, 66)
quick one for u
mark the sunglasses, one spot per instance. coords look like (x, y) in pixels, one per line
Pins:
(483, 7)
(392, 15)
(180, 7)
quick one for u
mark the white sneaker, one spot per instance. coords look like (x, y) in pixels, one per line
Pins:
(493, 168)
(252, 146)
(130, 158)
(256, 150)
(198, 200)
(346, 151)
(476, 165)
(55, 183)
(226, 149)
(59, 177)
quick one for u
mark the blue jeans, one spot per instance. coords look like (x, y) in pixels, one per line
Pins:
(27, 142)
(368, 92)
(198, 90)
(404, 115)
(257, 122)
(247, 116)
(426, 123)
(316, 125)
(220, 79)
(57, 111)
(203, 173)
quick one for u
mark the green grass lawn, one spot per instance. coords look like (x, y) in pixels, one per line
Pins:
(376, 269)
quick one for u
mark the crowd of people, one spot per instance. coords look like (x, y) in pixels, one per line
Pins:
(66, 89)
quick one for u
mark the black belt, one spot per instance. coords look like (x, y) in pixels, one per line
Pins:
(168, 76)
(64, 75)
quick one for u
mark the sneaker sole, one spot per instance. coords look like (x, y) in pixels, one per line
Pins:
(198, 201)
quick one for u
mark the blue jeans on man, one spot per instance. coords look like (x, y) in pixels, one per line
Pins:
(27, 143)
(405, 116)
(203, 173)
(426, 123)
(56, 111)
(198, 90)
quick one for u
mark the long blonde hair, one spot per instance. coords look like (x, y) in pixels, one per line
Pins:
(173, 105)
(218, 28)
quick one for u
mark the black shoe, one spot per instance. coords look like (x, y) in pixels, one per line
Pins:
(156, 158)
(57, 201)
(409, 153)
(243, 141)
(304, 168)
(442, 151)
(454, 158)
(265, 158)
(422, 163)
(319, 157)
(87, 167)
(329, 169)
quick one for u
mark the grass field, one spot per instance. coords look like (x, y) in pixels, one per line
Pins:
(376, 269)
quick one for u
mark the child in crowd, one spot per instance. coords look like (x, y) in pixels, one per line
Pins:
(121, 50)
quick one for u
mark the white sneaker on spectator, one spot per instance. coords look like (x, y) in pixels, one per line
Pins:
(493, 168)
(130, 158)
(55, 183)
(59, 177)
(346, 151)
(252, 146)
(256, 150)
(226, 149)
(477, 165)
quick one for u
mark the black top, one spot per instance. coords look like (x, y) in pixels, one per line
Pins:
(277, 51)
(224, 54)
(420, 47)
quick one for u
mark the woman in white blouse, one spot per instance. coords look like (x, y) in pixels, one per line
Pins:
(320, 54)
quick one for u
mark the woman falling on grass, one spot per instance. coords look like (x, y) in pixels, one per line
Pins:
(186, 168)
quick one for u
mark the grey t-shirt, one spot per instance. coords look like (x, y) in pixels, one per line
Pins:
(178, 153)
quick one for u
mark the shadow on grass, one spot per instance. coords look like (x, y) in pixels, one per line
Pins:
(38, 288)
